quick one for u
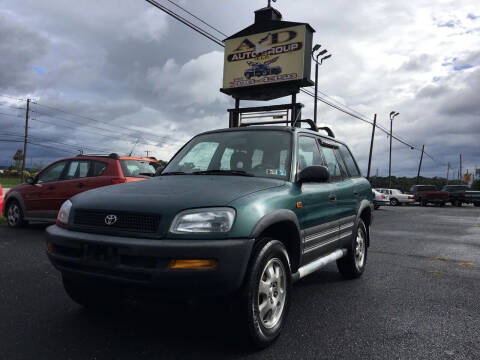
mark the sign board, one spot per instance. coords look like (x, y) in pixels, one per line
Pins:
(467, 177)
(277, 57)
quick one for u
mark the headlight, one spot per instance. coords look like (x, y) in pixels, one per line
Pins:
(64, 213)
(209, 220)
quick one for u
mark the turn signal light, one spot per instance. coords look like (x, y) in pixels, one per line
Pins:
(193, 264)
(49, 246)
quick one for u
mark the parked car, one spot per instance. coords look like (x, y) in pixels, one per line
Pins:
(462, 194)
(425, 194)
(397, 197)
(40, 198)
(379, 199)
(241, 212)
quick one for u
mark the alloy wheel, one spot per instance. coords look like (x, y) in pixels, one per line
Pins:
(360, 249)
(272, 290)
(13, 214)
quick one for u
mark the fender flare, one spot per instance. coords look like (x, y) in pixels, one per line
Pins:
(13, 195)
(282, 216)
(365, 204)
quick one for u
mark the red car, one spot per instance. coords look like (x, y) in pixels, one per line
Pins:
(40, 198)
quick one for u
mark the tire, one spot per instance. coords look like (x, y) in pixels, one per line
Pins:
(477, 204)
(394, 202)
(248, 76)
(423, 202)
(458, 204)
(442, 203)
(266, 289)
(376, 206)
(93, 295)
(14, 214)
(352, 265)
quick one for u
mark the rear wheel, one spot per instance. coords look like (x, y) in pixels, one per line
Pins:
(92, 294)
(394, 202)
(14, 214)
(265, 298)
(353, 264)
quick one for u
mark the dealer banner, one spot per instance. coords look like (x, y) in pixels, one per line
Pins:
(265, 58)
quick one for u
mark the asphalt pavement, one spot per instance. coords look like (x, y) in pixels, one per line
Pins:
(418, 299)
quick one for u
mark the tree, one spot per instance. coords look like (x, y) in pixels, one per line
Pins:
(18, 158)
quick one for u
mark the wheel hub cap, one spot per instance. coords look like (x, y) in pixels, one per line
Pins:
(359, 249)
(272, 293)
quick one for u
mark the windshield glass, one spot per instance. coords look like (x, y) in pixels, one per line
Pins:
(426, 188)
(257, 153)
(137, 168)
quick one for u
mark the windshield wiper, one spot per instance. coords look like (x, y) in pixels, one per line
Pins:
(173, 173)
(223, 172)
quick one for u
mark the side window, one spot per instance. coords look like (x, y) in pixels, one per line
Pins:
(77, 169)
(331, 160)
(98, 168)
(52, 173)
(349, 161)
(308, 153)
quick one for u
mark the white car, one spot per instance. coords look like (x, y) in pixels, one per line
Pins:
(379, 199)
(397, 197)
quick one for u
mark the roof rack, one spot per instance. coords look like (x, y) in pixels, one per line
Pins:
(111, 155)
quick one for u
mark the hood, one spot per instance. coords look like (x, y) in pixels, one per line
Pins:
(168, 195)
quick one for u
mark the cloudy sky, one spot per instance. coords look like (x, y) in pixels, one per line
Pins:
(126, 76)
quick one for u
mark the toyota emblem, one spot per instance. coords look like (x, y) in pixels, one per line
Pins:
(111, 219)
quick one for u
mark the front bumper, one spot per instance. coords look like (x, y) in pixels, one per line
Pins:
(145, 262)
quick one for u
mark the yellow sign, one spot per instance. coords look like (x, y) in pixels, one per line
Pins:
(265, 58)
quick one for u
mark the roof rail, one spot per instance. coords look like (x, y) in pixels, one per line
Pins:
(308, 121)
(111, 155)
(328, 130)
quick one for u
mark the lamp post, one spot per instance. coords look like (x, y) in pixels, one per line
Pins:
(393, 114)
(317, 64)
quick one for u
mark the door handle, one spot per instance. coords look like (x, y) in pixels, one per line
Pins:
(332, 197)
(50, 188)
(81, 185)
(355, 193)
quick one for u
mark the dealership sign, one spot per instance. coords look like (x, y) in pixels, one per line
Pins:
(267, 64)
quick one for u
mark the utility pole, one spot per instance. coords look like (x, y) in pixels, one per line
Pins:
(25, 141)
(460, 174)
(392, 116)
(448, 171)
(147, 151)
(371, 146)
(420, 165)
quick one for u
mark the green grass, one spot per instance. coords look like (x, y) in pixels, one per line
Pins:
(9, 182)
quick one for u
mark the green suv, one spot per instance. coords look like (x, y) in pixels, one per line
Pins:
(244, 212)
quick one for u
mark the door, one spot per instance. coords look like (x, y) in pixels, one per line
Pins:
(43, 203)
(318, 215)
(75, 180)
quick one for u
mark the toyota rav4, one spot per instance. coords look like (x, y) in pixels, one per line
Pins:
(244, 212)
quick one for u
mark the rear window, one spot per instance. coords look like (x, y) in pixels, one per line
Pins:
(137, 168)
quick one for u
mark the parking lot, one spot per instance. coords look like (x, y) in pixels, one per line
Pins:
(419, 299)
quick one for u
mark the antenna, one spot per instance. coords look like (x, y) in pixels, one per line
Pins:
(133, 148)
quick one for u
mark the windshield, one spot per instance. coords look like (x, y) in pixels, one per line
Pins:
(252, 153)
(426, 188)
(137, 168)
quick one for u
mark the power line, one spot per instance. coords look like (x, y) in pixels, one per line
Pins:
(186, 22)
(97, 121)
(196, 17)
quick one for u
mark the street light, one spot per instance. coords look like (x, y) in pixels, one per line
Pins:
(317, 63)
(393, 114)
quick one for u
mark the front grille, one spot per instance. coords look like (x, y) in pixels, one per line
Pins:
(125, 221)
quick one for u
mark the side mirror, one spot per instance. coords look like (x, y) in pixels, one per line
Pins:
(159, 170)
(30, 180)
(317, 174)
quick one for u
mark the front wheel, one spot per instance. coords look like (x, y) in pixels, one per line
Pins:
(14, 214)
(353, 264)
(266, 292)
